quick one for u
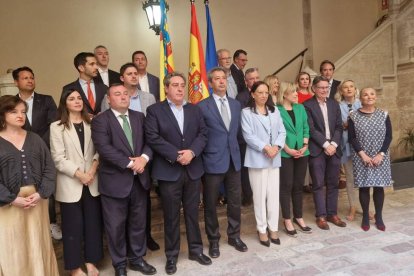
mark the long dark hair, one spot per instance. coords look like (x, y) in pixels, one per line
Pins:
(269, 103)
(63, 112)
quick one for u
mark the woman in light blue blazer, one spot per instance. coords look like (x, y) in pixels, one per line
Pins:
(294, 157)
(265, 136)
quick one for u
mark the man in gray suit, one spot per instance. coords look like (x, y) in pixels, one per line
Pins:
(140, 100)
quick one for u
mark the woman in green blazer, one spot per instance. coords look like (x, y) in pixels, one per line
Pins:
(294, 157)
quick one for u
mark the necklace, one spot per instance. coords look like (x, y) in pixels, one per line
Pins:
(78, 126)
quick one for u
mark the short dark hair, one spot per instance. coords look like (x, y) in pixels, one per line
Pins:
(113, 85)
(269, 103)
(126, 66)
(138, 52)
(215, 69)
(326, 62)
(80, 59)
(7, 104)
(169, 76)
(63, 112)
(17, 71)
(318, 79)
(238, 53)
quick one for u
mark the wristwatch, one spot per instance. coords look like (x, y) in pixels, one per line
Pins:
(381, 153)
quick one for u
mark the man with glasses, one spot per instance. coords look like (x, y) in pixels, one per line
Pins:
(224, 60)
(325, 129)
(239, 62)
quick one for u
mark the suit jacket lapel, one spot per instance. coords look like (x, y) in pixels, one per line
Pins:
(214, 110)
(233, 112)
(287, 119)
(318, 112)
(75, 138)
(87, 133)
(83, 94)
(135, 125)
(35, 110)
(171, 116)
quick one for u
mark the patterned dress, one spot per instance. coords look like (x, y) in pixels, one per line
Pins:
(370, 130)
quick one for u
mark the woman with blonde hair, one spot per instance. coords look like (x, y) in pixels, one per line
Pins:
(295, 156)
(346, 95)
(273, 82)
(303, 84)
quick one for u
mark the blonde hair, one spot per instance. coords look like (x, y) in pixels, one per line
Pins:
(338, 94)
(269, 80)
(308, 89)
(284, 88)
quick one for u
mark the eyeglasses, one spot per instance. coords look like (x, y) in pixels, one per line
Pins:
(225, 58)
(322, 87)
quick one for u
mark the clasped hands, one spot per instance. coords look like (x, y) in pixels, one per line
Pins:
(371, 162)
(330, 150)
(138, 164)
(271, 151)
(296, 153)
(185, 157)
(26, 202)
(86, 178)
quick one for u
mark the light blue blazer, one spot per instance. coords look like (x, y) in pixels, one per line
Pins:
(256, 131)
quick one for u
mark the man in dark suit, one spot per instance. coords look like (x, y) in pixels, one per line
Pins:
(327, 69)
(147, 82)
(40, 114)
(118, 135)
(221, 159)
(252, 75)
(325, 130)
(105, 75)
(239, 62)
(92, 93)
(176, 132)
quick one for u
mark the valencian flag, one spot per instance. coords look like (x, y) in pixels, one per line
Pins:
(197, 76)
(211, 55)
(166, 55)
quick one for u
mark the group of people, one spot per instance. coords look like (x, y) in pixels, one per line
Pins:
(111, 138)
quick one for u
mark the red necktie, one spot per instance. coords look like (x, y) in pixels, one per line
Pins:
(90, 96)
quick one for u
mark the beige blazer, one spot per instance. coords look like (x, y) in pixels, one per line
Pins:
(67, 155)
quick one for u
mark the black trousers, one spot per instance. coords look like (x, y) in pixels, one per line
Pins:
(125, 221)
(292, 178)
(52, 209)
(211, 184)
(247, 193)
(173, 193)
(82, 230)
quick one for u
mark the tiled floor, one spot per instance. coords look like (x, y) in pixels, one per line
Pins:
(339, 251)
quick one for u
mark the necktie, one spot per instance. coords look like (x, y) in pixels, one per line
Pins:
(90, 96)
(224, 113)
(127, 130)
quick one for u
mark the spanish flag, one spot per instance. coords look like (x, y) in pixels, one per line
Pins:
(197, 75)
(166, 55)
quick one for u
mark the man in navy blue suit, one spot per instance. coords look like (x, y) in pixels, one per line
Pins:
(176, 132)
(147, 82)
(118, 135)
(221, 158)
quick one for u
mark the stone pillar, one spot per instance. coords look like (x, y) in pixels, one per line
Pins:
(7, 86)
(307, 31)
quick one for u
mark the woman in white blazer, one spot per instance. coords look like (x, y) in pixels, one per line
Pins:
(76, 162)
(265, 135)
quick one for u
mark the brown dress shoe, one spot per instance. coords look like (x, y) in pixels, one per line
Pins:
(342, 184)
(336, 220)
(321, 222)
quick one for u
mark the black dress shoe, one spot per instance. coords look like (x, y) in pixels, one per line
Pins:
(238, 244)
(275, 241)
(171, 267)
(152, 245)
(291, 233)
(214, 250)
(143, 267)
(200, 258)
(305, 229)
(120, 271)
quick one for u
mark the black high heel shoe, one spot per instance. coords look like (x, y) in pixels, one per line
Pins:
(264, 243)
(275, 241)
(291, 233)
(305, 229)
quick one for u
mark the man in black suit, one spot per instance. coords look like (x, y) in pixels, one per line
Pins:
(92, 93)
(118, 135)
(327, 69)
(252, 75)
(239, 62)
(176, 132)
(40, 114)
(325, 131)
(105, 75)
(147, 82)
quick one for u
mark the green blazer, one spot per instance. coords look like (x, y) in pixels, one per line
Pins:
(295, 133)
